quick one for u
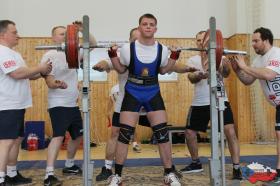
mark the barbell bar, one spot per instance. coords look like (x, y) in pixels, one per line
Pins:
(61, 47)
(71, 47)
(225, 51)
(234, 52)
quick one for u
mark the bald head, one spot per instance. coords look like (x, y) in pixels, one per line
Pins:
(134, 35)
(58, 34)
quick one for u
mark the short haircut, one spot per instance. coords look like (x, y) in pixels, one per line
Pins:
(265, 33)
(56, 27)
(150, 16)
(4, 25)
(131, 32)
(200, 32)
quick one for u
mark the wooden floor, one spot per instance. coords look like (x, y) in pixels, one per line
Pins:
(151, 151)
(148, 175)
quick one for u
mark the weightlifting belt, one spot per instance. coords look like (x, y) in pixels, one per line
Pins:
(142, 80)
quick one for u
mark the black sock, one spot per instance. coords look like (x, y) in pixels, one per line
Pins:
(118, 169)
(278, 172)
(168, 170)
(173, 168)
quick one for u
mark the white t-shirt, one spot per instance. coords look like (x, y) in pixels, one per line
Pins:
(201, 89)
(122, 81)
(62, 97)
(146, 54)
(122, 78)
(270, 60)
(115, 92)
(14, 94)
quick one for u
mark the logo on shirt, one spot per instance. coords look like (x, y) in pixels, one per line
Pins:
(274, 63)
(145, 72)
(273, 91)
(272, 97)
(9, 64)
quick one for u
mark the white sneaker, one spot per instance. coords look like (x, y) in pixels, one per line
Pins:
(115, 180)
(136, 148)
(171, 179)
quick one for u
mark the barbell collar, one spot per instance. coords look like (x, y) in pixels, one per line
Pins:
(234, 52)
(60, 47)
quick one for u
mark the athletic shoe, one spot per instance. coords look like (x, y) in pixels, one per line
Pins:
(74, 170)
(177, 173)
(104, 174)
(171, 179)
(52, 181)
(236, 174)
(115, 180)
(193, 167)
(17, 180)
(136, 148)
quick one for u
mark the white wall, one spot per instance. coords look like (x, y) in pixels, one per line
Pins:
(238, 16)
(112, 19)
(271, 20)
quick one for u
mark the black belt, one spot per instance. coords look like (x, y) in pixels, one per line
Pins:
(143, 81)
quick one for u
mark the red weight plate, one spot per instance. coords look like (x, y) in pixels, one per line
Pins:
(72, 46)
(219, 46)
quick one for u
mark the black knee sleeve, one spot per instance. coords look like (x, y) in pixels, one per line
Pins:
(161, 133)
(126, 133)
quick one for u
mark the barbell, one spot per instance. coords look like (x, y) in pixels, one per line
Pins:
(71, 47)
(220, 51)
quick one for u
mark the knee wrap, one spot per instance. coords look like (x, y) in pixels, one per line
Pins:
(161, 133)
(126, 133)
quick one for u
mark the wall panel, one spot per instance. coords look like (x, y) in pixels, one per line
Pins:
(176, 94)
